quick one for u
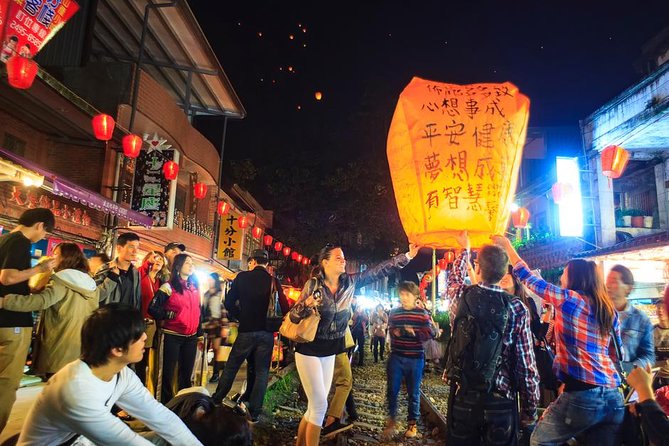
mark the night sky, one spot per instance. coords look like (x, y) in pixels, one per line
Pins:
(569, 58)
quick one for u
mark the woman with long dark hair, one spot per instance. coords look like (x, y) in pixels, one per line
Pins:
(68, 299)
(330, 293)
(177, 305)
(591, 406)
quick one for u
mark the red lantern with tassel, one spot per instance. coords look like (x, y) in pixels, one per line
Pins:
(132, 145)
(520, 218)
(614, 161)
(21, 72)
(199, 190)
(171, 170)
(103, 127)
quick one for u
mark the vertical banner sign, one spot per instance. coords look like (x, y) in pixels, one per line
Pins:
(152, 193)
(454, 152)
(27, 25)
(230, 238)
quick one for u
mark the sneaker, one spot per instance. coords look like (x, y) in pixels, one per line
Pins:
(412, 431)
(335, 428)
(389, 431)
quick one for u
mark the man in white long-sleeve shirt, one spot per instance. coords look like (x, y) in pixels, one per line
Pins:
(77, 400)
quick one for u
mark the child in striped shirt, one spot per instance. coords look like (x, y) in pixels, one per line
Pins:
(409, 327)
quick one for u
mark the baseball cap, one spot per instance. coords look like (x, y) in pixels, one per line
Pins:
(259, 254)
(171, 245)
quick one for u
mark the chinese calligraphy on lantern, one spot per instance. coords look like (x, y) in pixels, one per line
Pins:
(454, 152)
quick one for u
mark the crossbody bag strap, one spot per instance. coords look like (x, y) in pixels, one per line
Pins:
(618, 362)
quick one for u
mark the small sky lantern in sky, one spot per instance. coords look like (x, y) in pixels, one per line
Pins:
(318, 95)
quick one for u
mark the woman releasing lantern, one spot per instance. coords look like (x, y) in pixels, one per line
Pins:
(454, 153)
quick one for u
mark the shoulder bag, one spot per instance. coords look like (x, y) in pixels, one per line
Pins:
(303, 331)
(274, 316)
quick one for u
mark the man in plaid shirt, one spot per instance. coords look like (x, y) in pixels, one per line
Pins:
(471, 421)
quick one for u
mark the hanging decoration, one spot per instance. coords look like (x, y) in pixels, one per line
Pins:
(449, 256)
(520, 218)
(614, 161)
(305, 261)
(223, 208)
(242, 222)
(199, 190)
(103, 127)
(21, 71)
(267, 240)
(454, 153)
(257, 232)
(278, 246)
(132, 145)
(561, 191)
(170, 170)
(286, 251)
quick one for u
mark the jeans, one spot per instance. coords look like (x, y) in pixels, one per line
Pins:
(177, 350)
(256, 344)
(593, 416)
(476, 418)
(376, 342)
(411, 369)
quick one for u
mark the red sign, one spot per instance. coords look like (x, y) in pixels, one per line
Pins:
(27, 25)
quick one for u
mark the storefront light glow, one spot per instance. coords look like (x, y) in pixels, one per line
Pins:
(514, 207)
(571, 206)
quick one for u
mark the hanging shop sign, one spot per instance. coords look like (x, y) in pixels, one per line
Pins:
(30, 198)
(27, 25)
(230, 237)
(454, 153)
(152, 193)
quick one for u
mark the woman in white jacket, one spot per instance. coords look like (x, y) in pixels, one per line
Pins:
(68, 299)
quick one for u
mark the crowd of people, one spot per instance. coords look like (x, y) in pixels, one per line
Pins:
(112, 334)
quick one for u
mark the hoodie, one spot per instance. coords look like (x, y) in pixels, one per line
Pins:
(68, 299)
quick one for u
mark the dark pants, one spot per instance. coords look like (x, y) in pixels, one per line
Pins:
(177, 350)
(378, 341)
(250, 377)
(141, 366)
(359, 338)
(411, 371)
(482, 419)
(258, 344)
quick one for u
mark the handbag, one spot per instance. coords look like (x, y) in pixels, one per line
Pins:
(349, 342)
(274, 315)
(303, 331)
(632, 432)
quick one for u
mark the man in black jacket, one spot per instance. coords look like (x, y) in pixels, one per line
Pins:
(248, 301)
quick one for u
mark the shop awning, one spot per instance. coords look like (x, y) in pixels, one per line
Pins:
(71, 191)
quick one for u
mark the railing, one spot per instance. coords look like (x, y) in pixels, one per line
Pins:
(190, 223)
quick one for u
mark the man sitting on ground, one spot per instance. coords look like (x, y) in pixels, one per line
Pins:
(77, 400)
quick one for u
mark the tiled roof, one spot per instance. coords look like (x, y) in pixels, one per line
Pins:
(636, 243)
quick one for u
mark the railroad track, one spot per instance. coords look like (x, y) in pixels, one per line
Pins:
(279, 427)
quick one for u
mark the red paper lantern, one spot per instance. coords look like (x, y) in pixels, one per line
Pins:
(278, 246)
(614, 161)
(242, 222)
(560, 191)
(286, 251)
(294, 255)
(449, 256)
(443, 264)
(267, 240)
(520, 218)
(305, 261)
(170, 170)
(299, 258)
(199, 190)
(257, 232)
(21, 72)
(223, 208)
(132, 144)
(103, 127)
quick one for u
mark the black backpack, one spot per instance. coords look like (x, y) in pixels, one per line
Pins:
(474, 352)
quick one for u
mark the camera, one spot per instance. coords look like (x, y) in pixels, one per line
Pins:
(317, 294)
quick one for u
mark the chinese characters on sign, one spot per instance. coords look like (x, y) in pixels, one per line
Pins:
(152, 193)
(454, 153)
(26, 25)
(230, 238)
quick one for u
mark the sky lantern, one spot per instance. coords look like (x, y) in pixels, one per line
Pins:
(318, 95)
(199, 190)
(278, 246)
(242, 222)
(257, 232)
(103, 127)
(21, 72)
(267, 240)
(171, 171)
(286, 251)
(520, 218)
(132, 145)
(614, 161)
(454, 153)
(223, 208)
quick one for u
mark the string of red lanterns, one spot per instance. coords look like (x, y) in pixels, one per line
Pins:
(257, 231)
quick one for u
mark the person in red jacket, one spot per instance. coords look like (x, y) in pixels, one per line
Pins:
(152, 274)
(177, 305)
